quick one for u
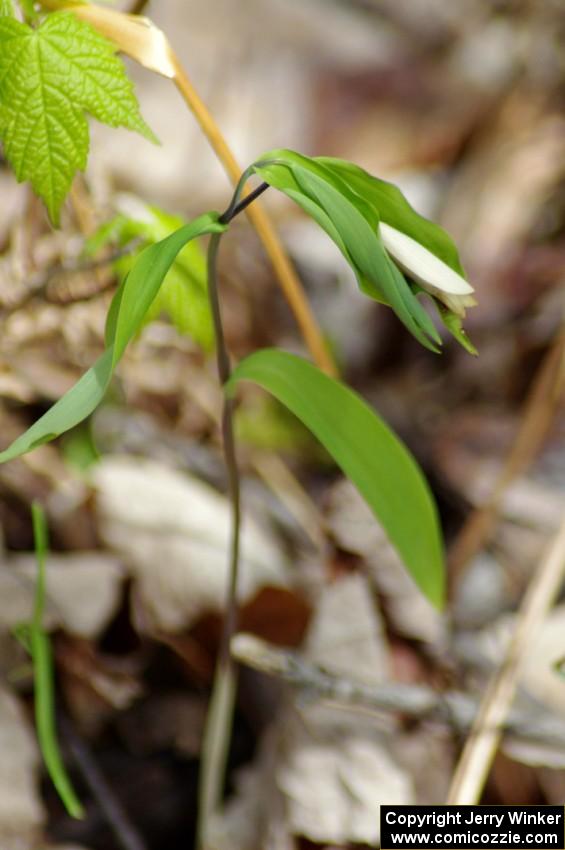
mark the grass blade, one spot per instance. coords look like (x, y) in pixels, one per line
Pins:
(43, 675)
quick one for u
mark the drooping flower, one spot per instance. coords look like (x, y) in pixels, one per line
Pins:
(433, 275)
(395, 253)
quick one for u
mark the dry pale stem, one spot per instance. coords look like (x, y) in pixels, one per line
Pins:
(536, 420)
(479, 751)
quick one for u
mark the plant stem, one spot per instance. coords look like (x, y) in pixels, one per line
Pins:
(238, 206)
(224, 372)
(220, 713)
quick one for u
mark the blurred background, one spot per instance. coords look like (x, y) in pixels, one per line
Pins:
(461, 105)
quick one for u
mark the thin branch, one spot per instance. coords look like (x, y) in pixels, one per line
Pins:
(39, 283)
(124, 830)
(453, 708)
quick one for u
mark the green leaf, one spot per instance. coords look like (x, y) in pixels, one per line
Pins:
(274, 163)
(183, 296)
(352, 223)
(375, 268)
(79, 449)
(72, 408)
(395, 210)
(6, 8)
(125, 317)
(377, 463)
(281, 177)
(144, 280)
(454, 325)
(29, 10)
(49, 77)
(394, 251)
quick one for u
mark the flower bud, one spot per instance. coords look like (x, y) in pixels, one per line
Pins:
(433, 275)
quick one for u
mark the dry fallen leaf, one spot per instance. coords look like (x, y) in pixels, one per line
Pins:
(355, 529)
(95, 685)
(324, 772)
(543, 688)
(334, 785)
(21, 813)
(134, 35)
(539, 676)
(346, 634)
(255, 815)
(337, 767)
(83, 591)
(174, 533)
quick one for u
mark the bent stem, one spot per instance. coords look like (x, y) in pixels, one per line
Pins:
(219, 720)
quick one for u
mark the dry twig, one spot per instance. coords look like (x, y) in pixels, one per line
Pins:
(453, 708)
(480, 748)
(126, 833)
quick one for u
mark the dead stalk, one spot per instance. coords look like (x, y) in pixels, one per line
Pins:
(479, 751)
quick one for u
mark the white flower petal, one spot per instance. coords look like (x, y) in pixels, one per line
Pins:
(456, 303)
(423, 266)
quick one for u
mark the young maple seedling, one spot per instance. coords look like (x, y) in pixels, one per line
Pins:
(396, 255)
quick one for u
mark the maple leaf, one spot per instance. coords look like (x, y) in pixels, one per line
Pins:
(49, 77)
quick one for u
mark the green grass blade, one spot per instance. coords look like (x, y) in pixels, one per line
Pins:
(367, 451)
(41, 543)
(43, 675)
